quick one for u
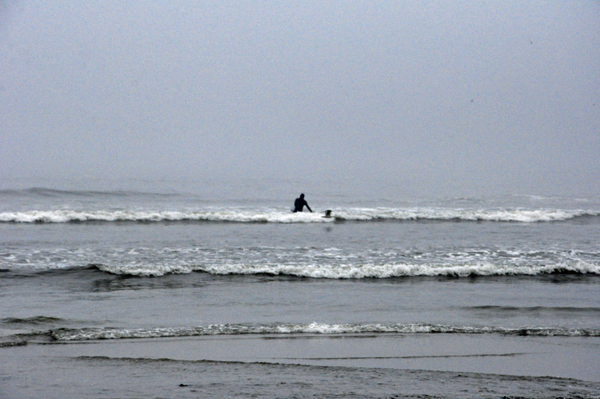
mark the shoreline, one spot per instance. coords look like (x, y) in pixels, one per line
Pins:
(560, 357)
(304, 366)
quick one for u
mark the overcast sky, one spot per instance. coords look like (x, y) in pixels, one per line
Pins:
(503, 95)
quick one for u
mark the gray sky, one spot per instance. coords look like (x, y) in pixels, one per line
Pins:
(496, 96)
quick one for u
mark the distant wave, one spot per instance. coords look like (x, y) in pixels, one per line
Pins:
(535, 309)
(277, 216)
(66, 334)
(36, 320)
(50, 192)
(355, 271)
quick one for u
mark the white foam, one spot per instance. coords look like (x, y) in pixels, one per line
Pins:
(311, 328)
(145, 270)
(399, 270)
(497, 215)
(277, 216)
(328, 263)
(241, 216)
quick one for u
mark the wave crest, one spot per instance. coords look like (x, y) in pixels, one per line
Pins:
(355, 271)
(310, 328)
(277, 216)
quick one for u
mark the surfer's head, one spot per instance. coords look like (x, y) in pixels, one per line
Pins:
(301, 195)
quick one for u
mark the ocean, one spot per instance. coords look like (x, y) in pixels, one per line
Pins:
(214, 288)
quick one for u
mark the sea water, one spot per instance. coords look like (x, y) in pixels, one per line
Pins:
(216, 289)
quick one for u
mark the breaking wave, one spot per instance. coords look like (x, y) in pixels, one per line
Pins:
(355, 271)
(302, 262)
(65, 334)
(278, 216)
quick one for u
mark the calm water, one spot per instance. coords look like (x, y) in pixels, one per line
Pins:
(108, 267)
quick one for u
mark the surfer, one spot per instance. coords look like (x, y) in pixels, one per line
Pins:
(300, 203)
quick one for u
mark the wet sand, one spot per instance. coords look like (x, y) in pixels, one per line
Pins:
(517, 366)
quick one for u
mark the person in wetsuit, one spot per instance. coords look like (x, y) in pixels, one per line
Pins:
(300, 203)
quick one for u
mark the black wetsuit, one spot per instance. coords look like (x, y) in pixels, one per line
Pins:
(299, 204)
